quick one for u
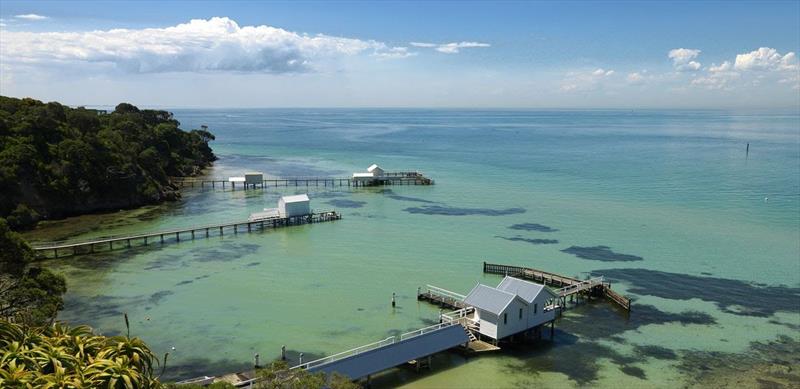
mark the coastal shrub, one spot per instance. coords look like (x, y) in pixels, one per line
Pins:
(58, 356)
(277, 375)
(28, 293)
(61, 161)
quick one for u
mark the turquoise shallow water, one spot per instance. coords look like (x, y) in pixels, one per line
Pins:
(703, 237)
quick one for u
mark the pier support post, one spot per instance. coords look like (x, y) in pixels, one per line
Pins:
(220, 230)
(178, 236)
(393, 300)
(301, 359)
(128, 243)
(192, 234)
(206, 232)
(55, 253)
(162, 238)
(283, 353)
(145, 241)
(110, 244)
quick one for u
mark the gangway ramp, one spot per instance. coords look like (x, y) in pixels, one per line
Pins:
(390, 352)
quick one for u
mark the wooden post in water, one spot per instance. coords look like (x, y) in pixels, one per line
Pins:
(283, 353)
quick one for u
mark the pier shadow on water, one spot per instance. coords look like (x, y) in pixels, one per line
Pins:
(729, 295)
(444, 210)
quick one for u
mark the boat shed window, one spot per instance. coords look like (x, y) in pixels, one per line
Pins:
(505, 318)
(535, 306)
(520, 313)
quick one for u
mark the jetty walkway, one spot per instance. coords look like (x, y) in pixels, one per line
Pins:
(70, 248)
(568, 286)
(389, 178)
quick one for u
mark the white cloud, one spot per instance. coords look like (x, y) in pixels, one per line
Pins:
(449, 48)
(725, 67)
(683, 59)
(394, 53)
(751, 70)
(216, 44)
(422, 44)
(766, 58)
(635, 78)
(585, 80)
(31, 17)
(602, 73)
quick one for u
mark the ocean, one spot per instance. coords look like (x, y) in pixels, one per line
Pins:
(667, 205)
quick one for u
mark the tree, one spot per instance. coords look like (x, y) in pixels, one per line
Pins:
(278, 376)
(62, 161)
(28, 293)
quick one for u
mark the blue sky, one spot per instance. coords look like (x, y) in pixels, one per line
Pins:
(403, 54)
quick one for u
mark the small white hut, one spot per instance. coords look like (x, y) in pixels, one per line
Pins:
(514, 306)
(375, 170)
(297, 205)
(254, 178)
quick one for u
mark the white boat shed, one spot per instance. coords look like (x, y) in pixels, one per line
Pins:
(372, 172)
(297, 205)
(514, 306)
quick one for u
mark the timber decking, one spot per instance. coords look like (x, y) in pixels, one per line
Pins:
(90, 246)
(569, 286)
(391, 178)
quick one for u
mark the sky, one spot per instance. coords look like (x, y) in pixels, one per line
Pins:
(207, 54)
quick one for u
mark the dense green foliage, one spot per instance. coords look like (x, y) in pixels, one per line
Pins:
(28, 293)
(56, 356)
(57, 161)
(278, 376)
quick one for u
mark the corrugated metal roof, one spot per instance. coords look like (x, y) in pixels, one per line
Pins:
(295, 199)
(489, 299)
(524, 289)
(373, 167)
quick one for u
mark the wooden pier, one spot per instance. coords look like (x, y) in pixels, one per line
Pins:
(391, 178)
(61, 249)
(568, 286)
(441, 297)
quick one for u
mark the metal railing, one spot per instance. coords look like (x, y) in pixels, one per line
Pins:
(444, 292)
(385, 342)
(583, 285)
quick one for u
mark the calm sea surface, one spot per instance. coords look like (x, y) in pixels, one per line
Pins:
(665, 204)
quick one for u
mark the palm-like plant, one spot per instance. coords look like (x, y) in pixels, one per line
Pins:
(62, 357)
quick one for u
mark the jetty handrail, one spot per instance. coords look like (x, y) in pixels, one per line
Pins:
(425, 330)
(105, 239)
(445, 292)
(348, 353)
(583, 285)
(375, 345)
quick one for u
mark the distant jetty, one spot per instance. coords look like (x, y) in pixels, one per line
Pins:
(292, 210)
(374, 176)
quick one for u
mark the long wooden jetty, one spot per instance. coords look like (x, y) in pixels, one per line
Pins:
(69, 248)
(390, 178)
(568, 286)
